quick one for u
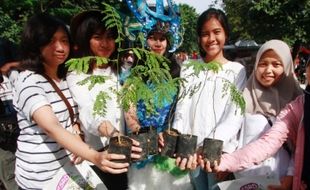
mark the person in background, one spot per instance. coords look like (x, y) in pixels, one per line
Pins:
(181, 57)
(92, 38)
(8, 63)
(128, 60)
(207, 113)
(48, 131)
(271, 86)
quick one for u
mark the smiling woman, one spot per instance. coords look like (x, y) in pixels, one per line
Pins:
(92, 37)
(157, 42)
(217, 117)
(269, 69)
(45, 46)
(56, 52)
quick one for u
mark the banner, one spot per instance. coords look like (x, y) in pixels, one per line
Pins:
(248, 183)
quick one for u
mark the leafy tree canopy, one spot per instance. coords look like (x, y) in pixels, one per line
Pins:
(188, 23)
(267, 19)
(249, 19)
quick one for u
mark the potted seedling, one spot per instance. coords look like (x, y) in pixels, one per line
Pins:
(121, 145)
(170, 142)
(212, 148)
(183, 145)
(148, 139)
(148, 79)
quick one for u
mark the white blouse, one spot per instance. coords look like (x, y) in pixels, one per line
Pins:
(85, 99)
(209, 112)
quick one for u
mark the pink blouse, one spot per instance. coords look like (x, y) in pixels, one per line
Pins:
(288, 125)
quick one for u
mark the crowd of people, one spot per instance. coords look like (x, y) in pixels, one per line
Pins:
(57, 124)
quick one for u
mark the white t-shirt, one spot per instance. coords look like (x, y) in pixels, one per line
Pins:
(38, 156)
(85, 99)
(208, 112)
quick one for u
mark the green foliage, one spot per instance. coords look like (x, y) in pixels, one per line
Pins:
(82, 64)
(188, 24)
(93, 80)
(148, 79)
(199, 67)
(14, 13)
(235, 95)
(287, 20)
(100, 105)
(228, 89)
(113, 19)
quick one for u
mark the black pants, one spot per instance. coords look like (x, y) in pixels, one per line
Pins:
(112, 181)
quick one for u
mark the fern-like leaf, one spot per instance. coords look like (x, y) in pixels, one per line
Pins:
(235, 95)
(93, 80)
(100, 105)
(199, 66)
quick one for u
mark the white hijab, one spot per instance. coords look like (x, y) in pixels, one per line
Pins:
(269, 101)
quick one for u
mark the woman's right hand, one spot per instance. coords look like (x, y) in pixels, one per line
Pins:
(106, 162)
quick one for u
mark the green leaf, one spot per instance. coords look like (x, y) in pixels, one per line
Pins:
(100, 105)
(199, 66)
(93, 80)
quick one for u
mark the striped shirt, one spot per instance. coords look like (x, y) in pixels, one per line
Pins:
(38, 157)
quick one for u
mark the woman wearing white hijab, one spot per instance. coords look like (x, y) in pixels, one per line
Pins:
(269, 88)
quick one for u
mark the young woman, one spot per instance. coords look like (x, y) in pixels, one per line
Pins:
(292, 123)
(47, 128)
(271, 86)
(207, 113)
(92, 38)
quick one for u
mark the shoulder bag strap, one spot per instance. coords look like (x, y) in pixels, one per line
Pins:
(62, 96)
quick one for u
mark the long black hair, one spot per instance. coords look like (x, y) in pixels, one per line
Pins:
(37, 33)
(205, 17)
(83, 27)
